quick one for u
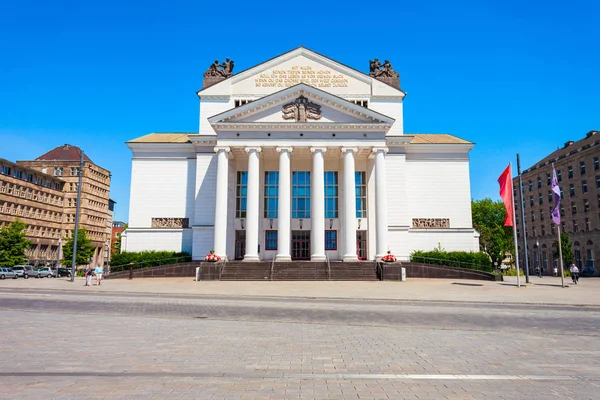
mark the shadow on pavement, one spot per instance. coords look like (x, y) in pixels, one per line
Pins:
(467, 284)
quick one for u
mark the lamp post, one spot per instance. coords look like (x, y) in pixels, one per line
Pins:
(537, 244)
(73, 261)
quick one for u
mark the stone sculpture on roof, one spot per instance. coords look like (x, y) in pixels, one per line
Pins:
(217, 72)
(384, 72)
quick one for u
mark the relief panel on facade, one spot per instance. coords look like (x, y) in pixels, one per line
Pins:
(170, 222)
(430, 223)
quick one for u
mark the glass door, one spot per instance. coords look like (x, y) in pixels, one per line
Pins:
(300, 245)
(361, 245)
(240, 245)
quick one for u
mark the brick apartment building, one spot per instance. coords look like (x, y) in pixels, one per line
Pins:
(577, 167)
(37, 199)
(62, 163)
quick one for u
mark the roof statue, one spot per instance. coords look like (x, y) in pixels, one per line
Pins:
(217, 72)
(384, 72)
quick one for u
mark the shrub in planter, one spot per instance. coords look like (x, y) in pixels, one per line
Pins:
(461, 259)
(146, 259)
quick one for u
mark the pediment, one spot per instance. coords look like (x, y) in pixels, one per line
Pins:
(301, 65)
(301, 104)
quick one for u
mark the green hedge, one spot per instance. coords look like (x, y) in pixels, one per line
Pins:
(146, 259)
(461, 259)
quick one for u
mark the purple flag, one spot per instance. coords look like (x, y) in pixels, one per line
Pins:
(556, 210)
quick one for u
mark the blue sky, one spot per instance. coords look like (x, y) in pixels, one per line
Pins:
(512, 76)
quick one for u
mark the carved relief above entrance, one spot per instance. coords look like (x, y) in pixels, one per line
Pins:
(431, 223)
(301, 110)
(170, 222)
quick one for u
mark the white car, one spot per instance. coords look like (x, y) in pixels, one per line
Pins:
(24, 271)
(45, 272)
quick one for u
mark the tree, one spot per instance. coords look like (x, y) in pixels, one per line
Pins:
(85, 249)
(567, 249)
(13, 244)
(495, 239)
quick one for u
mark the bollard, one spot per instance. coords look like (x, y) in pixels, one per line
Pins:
(130, 270)
(403, 277)
(197, 274)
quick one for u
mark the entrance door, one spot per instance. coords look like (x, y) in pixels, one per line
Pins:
(240, 245)
(361, 245)
(300, 245)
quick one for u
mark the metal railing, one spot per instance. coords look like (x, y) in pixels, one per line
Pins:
(223, 265)
(450, 263)
(272, 267)
(150, 263)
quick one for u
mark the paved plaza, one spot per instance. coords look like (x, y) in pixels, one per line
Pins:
(324, 340)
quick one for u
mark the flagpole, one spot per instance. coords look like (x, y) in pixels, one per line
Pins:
(514, 224)
(562, 274)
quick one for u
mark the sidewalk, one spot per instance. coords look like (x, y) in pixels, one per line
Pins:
(545, 290)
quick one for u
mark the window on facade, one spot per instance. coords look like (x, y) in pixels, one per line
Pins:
(532, 215)
(543, 230)
(584, 188)
(570, 169)
(588, 226)
(241, 193)
(270, 240)
(596, 164)
(575, 226)
(542, 215)
(58, 171)
(562, 194)
(6, 170)
(572, 189)
(559, 175)
(539, 182)
(552, 229)
(541, 199)
(361, 194)
(330, 240)
(271, 193)
(598, 182)
(582, 167)
(241, 102)
(530, 200)
(530, 186)
(300, 194)
(586, 205)
(548, 179)
(573, 208)
(562, 210)
(517, 220)
(331, 194)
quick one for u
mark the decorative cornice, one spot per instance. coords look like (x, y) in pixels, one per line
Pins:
(352, 149)
(295, 126)
(248, 149)
(321, 149)
(289, 149)
(226, 149)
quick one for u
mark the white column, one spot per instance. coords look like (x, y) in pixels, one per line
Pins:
(220, 239)
(317, 204)
(349, 249)
(284, 213)
(381, 215)
(252, 211)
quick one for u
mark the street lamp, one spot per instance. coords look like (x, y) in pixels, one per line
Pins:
(73, 261)
(537, 244)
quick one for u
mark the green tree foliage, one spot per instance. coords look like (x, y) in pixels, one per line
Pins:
(461, 259)
(495, 238)
(13, 244)
(85, 249)
(567, 249)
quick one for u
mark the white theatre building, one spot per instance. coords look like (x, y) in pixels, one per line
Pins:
(300, 158)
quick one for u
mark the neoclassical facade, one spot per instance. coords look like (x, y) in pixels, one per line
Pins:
(300, 158)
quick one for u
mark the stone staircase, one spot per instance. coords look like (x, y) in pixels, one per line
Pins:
(299, 271)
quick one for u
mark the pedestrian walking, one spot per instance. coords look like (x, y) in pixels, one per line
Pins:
(538, 272)
(98, 271)
(574, 273)
(88, 276)
(555, 271)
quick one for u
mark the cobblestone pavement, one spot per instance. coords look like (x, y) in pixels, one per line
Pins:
(133, 346)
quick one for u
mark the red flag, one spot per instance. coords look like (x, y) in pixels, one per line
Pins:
(506, 192)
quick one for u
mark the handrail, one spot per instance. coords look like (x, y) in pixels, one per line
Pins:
(272, 267)
(223, 265)
(450, 263)
(328, 267)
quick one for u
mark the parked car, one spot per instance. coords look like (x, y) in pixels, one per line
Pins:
(7, 273)
(24, 271)
(45, 272)
(62, 272)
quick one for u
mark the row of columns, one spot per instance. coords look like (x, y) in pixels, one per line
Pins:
(317, 203)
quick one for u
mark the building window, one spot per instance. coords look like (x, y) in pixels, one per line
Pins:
(588, 226)
(542, 215)
(270, 240)
(541, 199)
(58, 171)
(543, 230)
(271, 193)
(573, 208)
(584, 186)
(517, 220)
(550, 193)
(532, 216)
(572, 189)
(582, 167)
(530, 200)
(301, 194)
(598, 182)
(360, 180)
(530, 186)
(548, 179)
(331, 194)
(539, 182)
(586, 205)
(570, 169)
(330, 240)
(596, 164)
(241, 193)
(241, 102)
(559, 175)
(575, 226)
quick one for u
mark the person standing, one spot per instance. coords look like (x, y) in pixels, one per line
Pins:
(88, 276)
(98, 271)
(555, 271)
